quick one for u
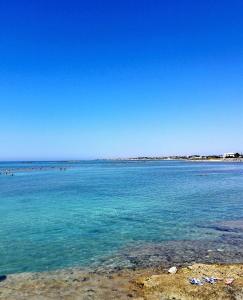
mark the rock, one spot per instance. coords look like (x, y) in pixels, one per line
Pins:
(172, 270)
(3, 277)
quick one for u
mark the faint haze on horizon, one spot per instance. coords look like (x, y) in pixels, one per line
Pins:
(108, 79)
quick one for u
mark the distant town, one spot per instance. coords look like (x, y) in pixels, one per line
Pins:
(231, 156)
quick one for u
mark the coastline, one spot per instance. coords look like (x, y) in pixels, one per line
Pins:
(217, 160)
(141, 273)
(230, 160)
(143, 284)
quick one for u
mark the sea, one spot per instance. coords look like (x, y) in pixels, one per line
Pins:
(118, 213)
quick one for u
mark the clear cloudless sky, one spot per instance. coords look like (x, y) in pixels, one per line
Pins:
(91, 79)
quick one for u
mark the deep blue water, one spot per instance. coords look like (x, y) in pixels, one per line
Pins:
(52, 219)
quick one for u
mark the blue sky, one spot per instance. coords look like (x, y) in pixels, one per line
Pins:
(86, 79)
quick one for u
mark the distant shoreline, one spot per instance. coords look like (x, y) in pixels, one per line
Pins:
(184, 159)
(146, 158)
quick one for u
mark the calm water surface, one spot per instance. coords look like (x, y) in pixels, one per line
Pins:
(53, 219)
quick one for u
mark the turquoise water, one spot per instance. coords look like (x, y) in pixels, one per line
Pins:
(53, 219)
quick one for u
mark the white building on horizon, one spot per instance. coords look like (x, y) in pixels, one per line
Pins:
(229, 155)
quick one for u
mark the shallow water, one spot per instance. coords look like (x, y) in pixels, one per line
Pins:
(54, 219)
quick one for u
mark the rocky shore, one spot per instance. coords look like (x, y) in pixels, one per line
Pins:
(228, 283)
(141, 272)
(143, 284)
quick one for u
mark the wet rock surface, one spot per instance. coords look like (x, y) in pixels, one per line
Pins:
(3, 277)
(227, 249)
(69, 284)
